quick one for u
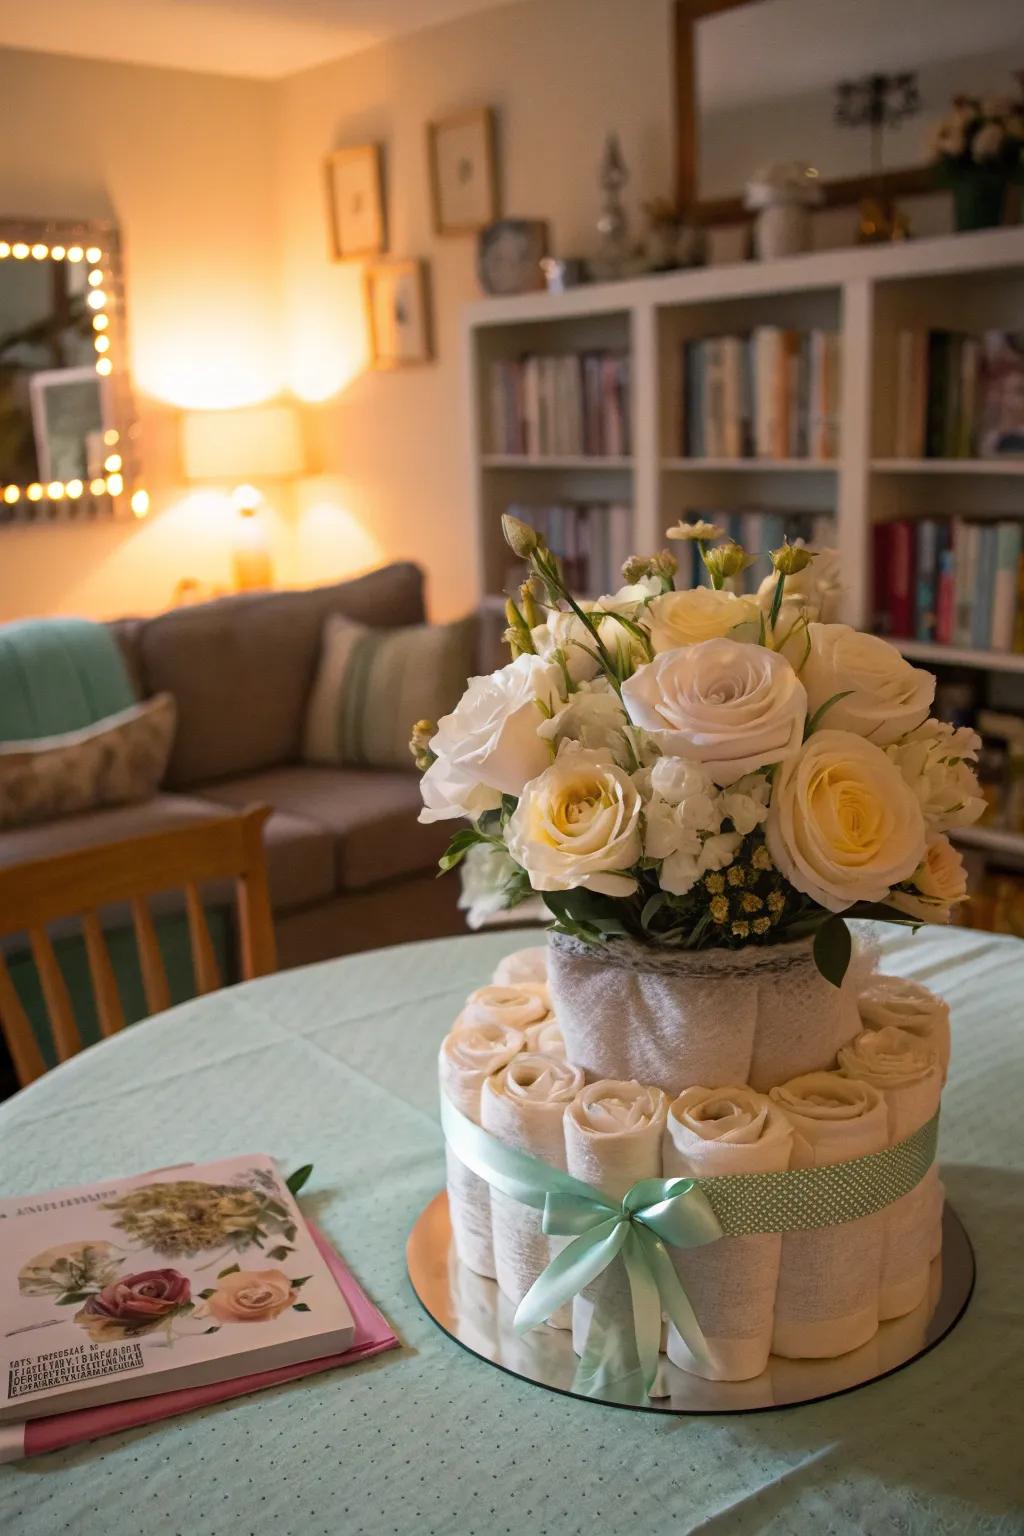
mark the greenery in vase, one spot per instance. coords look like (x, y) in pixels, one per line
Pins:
(979, 144)
(695, 768)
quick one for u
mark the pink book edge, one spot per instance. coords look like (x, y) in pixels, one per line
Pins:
(373, 1335)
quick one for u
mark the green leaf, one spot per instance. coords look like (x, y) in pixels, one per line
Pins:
(214, 1329)
(205, 1295)
(296, 1180)
(652, 906)
(832, 949)
(279, 1253)
(811, 725)
(459, 846)
(232, 1269)
(300, 1281)
(300, 1306)
(73, 1298)
(776, 608)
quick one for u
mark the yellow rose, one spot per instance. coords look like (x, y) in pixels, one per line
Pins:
(251, 1296)
(700, 613)
(578, 824)
(938, 883)
(843, 826)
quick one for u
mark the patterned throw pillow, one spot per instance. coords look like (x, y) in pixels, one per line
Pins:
(118, 759)
(372, 685)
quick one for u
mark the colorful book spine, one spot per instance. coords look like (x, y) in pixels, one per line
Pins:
(984, 587)
(927, 578)
(1004, 597)
(901, 578)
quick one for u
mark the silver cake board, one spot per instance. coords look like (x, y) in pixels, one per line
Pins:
(473, 1312)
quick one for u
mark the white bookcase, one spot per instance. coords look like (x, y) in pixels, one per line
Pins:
(869, 294)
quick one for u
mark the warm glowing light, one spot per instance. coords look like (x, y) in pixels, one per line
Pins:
(115, 484)
(19, 250)
(102, 343)
(111, 436)
(103, 365)
(34, 492)
(5, 249)
(40, 251)
(55, 490)
(100, 322)
(11, 494)
(75, 253)
(93, 254)
(74, 489)
(97, 486)
(97, 299)
(140, 503)
(112, 463)
(95, 277)
(58, 252)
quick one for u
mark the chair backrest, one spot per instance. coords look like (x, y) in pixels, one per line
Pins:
(79, 883)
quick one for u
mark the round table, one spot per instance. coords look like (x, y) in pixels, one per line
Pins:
(335, 1065)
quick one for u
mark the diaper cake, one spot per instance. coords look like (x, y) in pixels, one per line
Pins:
(699, 1120)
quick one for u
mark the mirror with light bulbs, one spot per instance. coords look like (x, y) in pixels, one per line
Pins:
(67, 422)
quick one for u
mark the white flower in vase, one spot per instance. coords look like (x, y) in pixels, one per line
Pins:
(884, 695)
(939, 882)
(935, 760)
(695, 614)
(578, 824)
(812, 593)
(594, 717)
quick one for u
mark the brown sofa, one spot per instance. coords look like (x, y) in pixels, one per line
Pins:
(350, 866)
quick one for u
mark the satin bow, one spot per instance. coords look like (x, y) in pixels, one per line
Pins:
(654, 1212)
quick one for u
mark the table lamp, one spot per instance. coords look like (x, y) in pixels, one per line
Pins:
(237, 447)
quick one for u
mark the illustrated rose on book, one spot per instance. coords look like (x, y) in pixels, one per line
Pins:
(135, 1304)
(251, 1296)
(70, 1271)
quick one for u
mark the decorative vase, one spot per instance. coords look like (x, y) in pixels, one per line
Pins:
(712, 1017)
(978, 200)
(782, 229)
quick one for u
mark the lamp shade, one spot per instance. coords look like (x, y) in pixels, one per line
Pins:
(258, 442)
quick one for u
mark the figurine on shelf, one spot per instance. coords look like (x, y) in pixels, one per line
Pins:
(878, 102)
(783, 195)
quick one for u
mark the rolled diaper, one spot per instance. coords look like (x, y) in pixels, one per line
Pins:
(613, 1135)
(730, 1283)
(826, 1301)
(906, 1072)
(887, 1000)
(526, 1003)
(467, 1058)
(546, 1038)
(523, 1105)
(522, 965)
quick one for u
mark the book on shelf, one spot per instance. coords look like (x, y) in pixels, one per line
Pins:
(950, 581)
(174, 1287)
(958, 395)
(772, 394)
(593, 542)
(568, 406)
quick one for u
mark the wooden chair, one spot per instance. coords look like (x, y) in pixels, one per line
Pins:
(77, 884)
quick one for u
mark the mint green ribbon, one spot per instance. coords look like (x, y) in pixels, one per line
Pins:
(654, 1212)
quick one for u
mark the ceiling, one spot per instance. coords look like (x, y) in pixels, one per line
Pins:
(262, 39)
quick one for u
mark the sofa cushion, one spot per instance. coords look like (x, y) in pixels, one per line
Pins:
(58, 675)
(241, 668)
(300, 856)
(370, 813)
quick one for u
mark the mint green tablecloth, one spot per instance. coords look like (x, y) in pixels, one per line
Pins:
(336, 1065)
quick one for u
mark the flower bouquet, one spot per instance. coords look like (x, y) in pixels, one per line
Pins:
(979, 146)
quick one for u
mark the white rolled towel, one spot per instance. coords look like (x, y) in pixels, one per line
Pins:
(730, 1283)
(906, 1071)
(546, 1038)
(517, 1006)
(467, 1058)
(524, 1105)
(613, 1135)
(826, 1301)
(887, 1000)
(522, 965)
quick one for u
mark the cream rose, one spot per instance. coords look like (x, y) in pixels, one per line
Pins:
(935, 760)
(524, 1003)
(488, 746)
(733, 707)
(886, 696)
(251, 1296)
(939, 882)
(813, 592)
(701, 613)
(578, 824)
(843, 826)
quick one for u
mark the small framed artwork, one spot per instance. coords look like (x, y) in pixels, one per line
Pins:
(398, 313)
(509, 255)
(355, 202)
(463, 176)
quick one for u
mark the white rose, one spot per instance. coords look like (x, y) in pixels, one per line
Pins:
(886, 696)
(683, 819)
(565, 631)
(488, 746)
(935, 760)
(732, 706)
(813, 592)
(843, 826)
(700, 613)
(594, 717)
(937, 885)
(578, 824)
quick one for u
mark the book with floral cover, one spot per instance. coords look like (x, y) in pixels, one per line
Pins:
(172, 1279)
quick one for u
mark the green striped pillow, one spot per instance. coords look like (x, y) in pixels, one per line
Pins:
(372, 685)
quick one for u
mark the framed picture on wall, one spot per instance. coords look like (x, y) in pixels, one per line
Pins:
(463, 175)
(355, 202)
(398, 313)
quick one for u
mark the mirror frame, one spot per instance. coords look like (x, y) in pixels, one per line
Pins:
(730, 210)
(117, 492)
